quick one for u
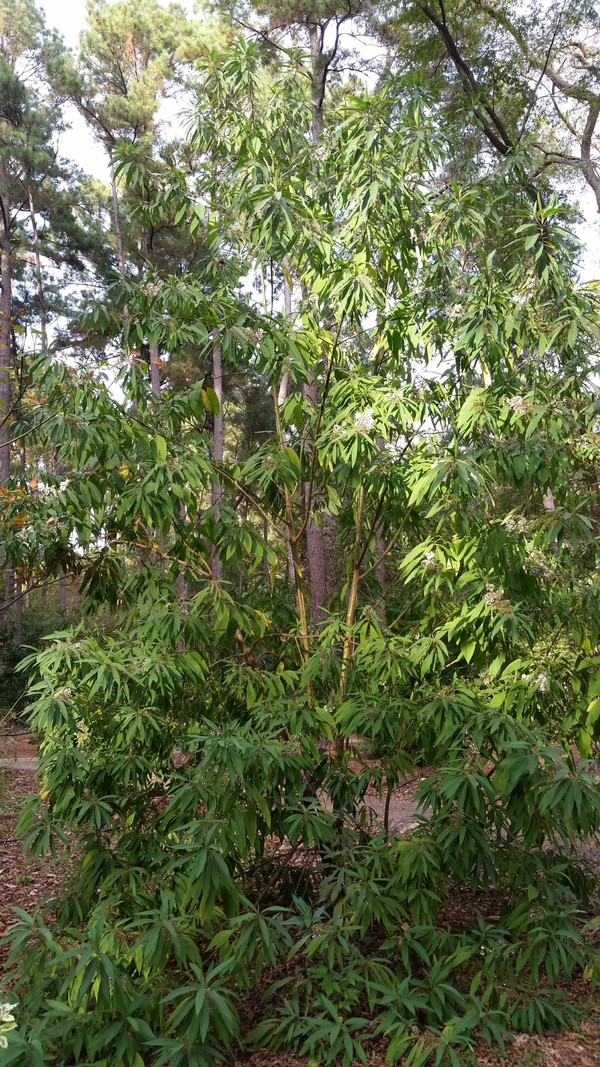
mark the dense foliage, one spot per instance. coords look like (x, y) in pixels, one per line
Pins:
(210, 727)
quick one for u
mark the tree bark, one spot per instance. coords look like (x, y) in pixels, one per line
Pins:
(117, 220)
(379, 571)
(5, 329)
(19, 583)
(38, 269)
(293, 543)
(320, 64)
(314, 537)
(218, 431)
(19, 612)
(281, 398)
(318, 77)
(5, 360)
(282, 394)
(287, 308)
(155, 365)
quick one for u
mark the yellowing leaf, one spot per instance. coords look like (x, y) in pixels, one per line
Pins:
(160, 447)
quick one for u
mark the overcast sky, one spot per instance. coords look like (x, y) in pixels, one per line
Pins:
(69, 17)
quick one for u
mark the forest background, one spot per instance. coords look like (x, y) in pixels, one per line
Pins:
(299, 496)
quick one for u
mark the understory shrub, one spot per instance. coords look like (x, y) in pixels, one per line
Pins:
(226, 880)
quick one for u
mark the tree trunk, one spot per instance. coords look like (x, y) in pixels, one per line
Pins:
(19, 612)
(287, 308)
(62, 594)
(19, 584)
(181, 582)
(38, 269)
(314, 536)
(218, 428)
(5, 353)
(281, 398)
(117, 220)
(379, 571)
(155, 365)
(282, 394)
(319, 75)
(5, 331)
(9, 583)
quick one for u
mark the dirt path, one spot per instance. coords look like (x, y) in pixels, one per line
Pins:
(20, 763)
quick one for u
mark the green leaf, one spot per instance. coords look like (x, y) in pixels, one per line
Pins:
(213, 402)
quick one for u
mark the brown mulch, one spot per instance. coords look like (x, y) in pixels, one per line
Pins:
(26, 882)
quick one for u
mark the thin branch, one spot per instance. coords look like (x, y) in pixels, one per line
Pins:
(389, 548)
(542, 75)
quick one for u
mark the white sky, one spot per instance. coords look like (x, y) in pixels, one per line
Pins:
(68, 17)
(78, 144)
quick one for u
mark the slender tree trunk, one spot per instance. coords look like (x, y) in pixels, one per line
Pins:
(155, 365)
(318, 78)
(19, 584)
(62, 593)
(282, 394)
(18, 612)
(305, 649)
(5, 330)
(38, 269)
(9, 588)
(218, 430)
(5, 358)
(117, 220)
(379, 571)
(38, 266)
(314, 536)
(181, 582)
(287, 308)
(266, 540)
(353, 590)
(155, 360)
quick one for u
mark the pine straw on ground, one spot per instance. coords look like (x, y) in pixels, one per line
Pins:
(26, 882)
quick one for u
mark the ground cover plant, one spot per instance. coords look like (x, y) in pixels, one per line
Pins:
(401, 569)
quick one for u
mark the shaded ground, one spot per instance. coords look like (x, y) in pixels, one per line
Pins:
(25, 882)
